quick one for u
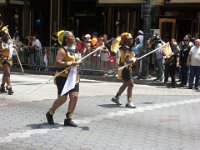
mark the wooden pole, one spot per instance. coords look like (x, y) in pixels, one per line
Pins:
(64, 70)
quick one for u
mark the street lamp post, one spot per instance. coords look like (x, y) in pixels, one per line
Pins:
(147, 32)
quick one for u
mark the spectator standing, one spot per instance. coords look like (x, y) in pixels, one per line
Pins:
(36, 44)
(87, 45)
(54, 40)
(16, 41)
(137, 49)
(104, 53)
(140, 37)
(194, 63)
(28, 49)
(141, 42)
(46, 58)
(184, 51)
(79, 45)
(16, 38)
(172, 62)
(159, 59)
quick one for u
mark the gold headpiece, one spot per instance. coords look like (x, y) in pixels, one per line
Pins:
(60, 35)
(4, 29)
(1, 24)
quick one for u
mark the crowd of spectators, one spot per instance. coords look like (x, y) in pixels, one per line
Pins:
(179, 66)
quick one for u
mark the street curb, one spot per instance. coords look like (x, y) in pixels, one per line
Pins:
(88, 74)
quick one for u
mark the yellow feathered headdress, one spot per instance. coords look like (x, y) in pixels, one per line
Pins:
(115, 44)
(4, 29)
(60, 35)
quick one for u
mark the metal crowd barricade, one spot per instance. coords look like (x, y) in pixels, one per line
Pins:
(96, 62)
(27, 57)
(93, 62)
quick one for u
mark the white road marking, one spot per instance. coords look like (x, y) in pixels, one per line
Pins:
(26, 134)
(89, 120)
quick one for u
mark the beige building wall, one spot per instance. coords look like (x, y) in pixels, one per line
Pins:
(119, 1)
(141, 1)
(2, 1)
(185, 1)
(17, 2)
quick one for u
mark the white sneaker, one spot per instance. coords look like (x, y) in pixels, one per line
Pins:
(116, 100)
(130, 105)
(135, 77)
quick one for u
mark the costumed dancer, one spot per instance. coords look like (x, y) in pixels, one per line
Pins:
(6, 52)
(127, 57)
(66, 57)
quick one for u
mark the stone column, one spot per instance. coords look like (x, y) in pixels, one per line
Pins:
(147, 32)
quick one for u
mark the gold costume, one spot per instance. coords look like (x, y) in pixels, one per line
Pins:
(4, 55)
(123, 57)
(68, 58)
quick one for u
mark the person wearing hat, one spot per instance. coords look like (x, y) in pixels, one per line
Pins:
(140, 38)
(87, 36)
(65, 58)
(127, 57)
(79, 44)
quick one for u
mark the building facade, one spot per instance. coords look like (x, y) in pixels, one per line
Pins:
(172, 20)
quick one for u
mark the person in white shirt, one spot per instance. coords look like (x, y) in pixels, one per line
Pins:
(16, 39)
(194, 62)
(38, 51)
(140, 37)
(159, 59)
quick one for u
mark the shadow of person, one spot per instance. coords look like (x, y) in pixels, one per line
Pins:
(44, 125)
(109, 105)
(58, 126)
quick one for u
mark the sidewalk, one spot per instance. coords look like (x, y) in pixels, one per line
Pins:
(101, 75)
(88, 74)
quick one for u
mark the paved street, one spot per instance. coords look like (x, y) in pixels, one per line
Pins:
(165, 118)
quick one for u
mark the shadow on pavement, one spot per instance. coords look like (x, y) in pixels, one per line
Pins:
(148, 103)
(85, 128)
(44, 126)
(109, 105)
(90, 81)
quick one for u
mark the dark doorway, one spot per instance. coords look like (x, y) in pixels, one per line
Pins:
(184, 27)
(84, 25)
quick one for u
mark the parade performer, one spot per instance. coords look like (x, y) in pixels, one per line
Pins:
(127, 56)
(66, 57)
(6, 51)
